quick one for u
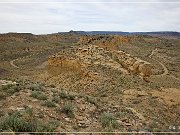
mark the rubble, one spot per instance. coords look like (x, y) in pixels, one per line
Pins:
(6, 82)
(90, 55)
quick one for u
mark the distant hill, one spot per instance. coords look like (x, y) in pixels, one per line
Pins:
(164, 34)
(102, 32)
(128, 33)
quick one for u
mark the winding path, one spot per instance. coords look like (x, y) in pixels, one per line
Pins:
(163, 66)
(12, 63)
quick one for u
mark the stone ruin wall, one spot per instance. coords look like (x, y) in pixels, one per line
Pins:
(79, 64)
(109, 43)
(134, 65)
(60, 63)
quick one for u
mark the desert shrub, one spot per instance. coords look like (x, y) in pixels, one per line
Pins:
(36, 87)
(68, 109)
(53, 86)
(65, 95)
(56, 99)
(58, 110)
(55, 91)
(71, 97)
(108, 120)
(152, 126)
(25, 123)
(48, 127)
(29, 111)
(119, 114)
(10, 88)
(2, 95)
(38, 95)
(16, 123)
(91, 100)
(49, 103)
(154, 85)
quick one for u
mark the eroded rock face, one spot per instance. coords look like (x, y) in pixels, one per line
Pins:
(134, 65)
(94, 55)
(109, 42)
(90, 55)
(63, 63)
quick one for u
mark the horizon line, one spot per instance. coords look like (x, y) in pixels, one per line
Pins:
(86, 31)
(123, 2)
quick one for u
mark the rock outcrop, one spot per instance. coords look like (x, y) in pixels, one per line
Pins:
(87, 56)
(63, 64)
(94, 55)
(134, 65)
(109, 42)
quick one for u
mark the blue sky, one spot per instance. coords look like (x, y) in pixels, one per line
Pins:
(51, 16)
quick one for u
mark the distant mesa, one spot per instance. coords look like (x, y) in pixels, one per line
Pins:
(161, 33)
(157, 33)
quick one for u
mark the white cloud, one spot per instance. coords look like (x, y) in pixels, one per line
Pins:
(38, 17)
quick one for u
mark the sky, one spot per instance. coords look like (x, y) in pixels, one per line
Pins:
(52, 16)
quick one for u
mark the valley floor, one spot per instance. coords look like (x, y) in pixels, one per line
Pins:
(102, 97)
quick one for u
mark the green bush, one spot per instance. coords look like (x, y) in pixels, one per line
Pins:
(120, 114)
(2, 95)
(53, 86)
(10, 88)
(17, 123)
(38, 95)
(91, 100)
(48, 127)
(7, 90)
(55, 91)
(108, 120)
(36, 87)
(49, 103)
(63, 94)
(68, 109)
(66, 95)
(29, 111)
(58, 110)
(71, 97)
(56, 99)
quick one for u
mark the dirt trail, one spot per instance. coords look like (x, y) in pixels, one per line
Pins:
(16, 66)
(164, 67)
(175, 77)
(12, 63)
